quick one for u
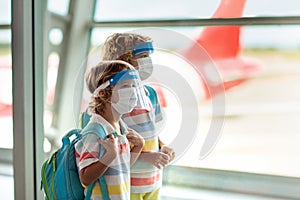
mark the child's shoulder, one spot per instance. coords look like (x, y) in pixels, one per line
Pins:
(94, 128)
(151, 91)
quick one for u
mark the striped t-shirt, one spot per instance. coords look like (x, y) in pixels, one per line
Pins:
(145, 177)
(117, 176)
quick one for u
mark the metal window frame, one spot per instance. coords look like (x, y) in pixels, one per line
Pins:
(243, 21)
(27, 59)
(267, 186)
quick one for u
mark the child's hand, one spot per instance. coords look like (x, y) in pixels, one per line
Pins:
(135, 139)
(137, 143)
(110, 145)
(169, 151)
(157, 159)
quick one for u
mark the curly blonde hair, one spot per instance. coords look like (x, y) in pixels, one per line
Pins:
(119, 46)
(98, 75)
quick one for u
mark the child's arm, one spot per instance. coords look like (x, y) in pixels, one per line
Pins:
(138, 143)
(92, 172)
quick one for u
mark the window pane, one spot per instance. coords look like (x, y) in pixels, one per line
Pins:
(5, 37)
(135, 10)
(261, 77)
(114, 10)
(260, 132)
(6, 123)
(5, 12)
(60, 7)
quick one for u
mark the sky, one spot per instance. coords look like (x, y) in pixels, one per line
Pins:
(172, 9)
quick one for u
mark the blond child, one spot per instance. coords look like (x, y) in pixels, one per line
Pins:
(146, 180)
(115, 92)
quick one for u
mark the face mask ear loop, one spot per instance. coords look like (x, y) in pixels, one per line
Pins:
(101, 87)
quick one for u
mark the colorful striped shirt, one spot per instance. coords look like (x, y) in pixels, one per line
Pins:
(117, 176)
(145, 177)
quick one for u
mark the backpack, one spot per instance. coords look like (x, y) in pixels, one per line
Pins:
(60, 178)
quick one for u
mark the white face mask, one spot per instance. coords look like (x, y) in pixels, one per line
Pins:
(145, 67)
(127, 100)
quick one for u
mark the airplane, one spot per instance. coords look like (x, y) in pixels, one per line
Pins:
(223, 46)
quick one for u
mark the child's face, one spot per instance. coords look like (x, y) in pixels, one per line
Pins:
(122, 85)
(125, 84)
(124, 97)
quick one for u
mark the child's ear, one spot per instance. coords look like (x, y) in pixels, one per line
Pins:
(100, 92)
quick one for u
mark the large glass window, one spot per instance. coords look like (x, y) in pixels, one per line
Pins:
(260, 131)
(258, 66)
(261, 126)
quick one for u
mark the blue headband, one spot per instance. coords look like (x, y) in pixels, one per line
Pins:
(142, 47)
(123, 76)
(120, 76)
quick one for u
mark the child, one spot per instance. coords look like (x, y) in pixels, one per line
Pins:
(146, 179)
(115, 93)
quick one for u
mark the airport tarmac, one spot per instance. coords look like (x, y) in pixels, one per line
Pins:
(261, 130)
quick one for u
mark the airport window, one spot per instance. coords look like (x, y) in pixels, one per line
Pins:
(254, 54)
(261, 102)
(260, 131)
(258, 119)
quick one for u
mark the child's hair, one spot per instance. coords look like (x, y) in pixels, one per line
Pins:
(99, 75)
(119, 46)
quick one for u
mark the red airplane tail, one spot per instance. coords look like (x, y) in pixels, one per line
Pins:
(222, 45)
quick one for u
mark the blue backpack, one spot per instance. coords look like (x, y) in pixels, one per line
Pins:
(60, 178)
